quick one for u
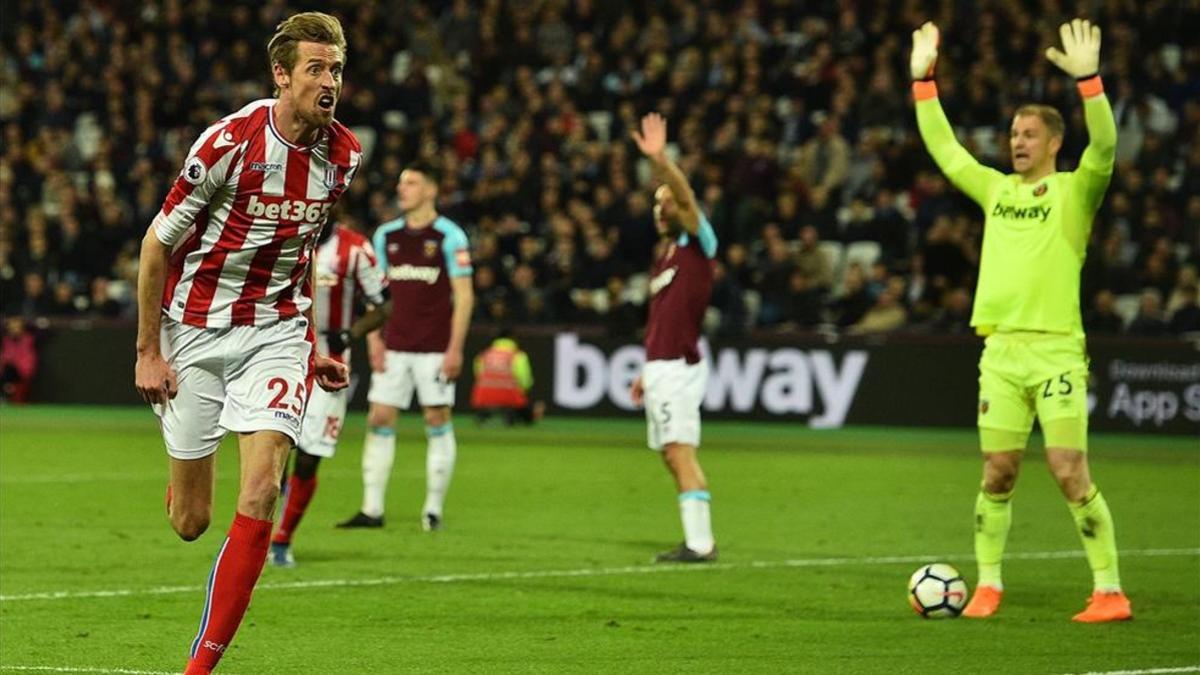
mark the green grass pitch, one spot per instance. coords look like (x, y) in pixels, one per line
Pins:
(544, 564)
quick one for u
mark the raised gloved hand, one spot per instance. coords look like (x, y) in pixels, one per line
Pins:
(924, 51)
(1080, 57)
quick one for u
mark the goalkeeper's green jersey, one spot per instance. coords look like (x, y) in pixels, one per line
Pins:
(1035, 234)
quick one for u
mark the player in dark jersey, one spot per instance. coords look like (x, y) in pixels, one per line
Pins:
(672, 384)
(427, 263)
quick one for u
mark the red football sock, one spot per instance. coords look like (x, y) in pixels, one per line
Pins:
(230, 584)
(299, 493)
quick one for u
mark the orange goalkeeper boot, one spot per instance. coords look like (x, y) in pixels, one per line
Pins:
(1104, 607)
(984, 603)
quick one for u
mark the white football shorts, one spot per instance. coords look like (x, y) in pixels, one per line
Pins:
(406, 372)
(673, 391)
(240, 378)
(323, 421)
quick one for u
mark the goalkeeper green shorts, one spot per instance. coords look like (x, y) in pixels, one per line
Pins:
(1025, 375)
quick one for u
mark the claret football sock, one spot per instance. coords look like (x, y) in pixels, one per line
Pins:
(234, 573)
(1095, 524)
(299, 494)
(993, 519)
(697, 523)
(439, 466)
(379, 452)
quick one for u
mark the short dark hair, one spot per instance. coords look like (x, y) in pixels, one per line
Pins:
(427, 169)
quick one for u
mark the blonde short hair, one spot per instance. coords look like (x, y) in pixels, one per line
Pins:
(304, 27)
(1048, 114)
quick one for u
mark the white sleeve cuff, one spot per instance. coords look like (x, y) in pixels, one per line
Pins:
(161, 230)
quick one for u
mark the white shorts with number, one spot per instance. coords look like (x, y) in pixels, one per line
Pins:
(323, 421)
(673, 391)
(406, 372)
(241, 379)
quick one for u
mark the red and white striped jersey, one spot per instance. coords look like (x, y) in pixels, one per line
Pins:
(346, 266)
(243, 218)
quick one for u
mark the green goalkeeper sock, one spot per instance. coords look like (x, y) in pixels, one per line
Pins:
(1095, 524)
(993, 518)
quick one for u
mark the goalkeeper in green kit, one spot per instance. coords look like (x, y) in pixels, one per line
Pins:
(1034, 363)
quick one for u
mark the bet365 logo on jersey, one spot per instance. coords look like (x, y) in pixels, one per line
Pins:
(294, 210)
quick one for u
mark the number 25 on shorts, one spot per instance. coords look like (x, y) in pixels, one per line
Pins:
(1060, 385)
(280, 387)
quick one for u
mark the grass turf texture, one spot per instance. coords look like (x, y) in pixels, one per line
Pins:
(81, 510)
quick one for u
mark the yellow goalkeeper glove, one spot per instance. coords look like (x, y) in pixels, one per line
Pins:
(1081, 44)
(924, 51)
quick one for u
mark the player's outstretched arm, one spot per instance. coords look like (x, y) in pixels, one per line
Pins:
(1080, 58)
(652, 141)
(967, 174)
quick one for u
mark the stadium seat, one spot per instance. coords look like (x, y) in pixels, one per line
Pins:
(861, 253)
(637, 289)
(1182, 251)
(601, 123)
(753, 302)
(712, 320)
(833, 251)
(1126, 306)
(367, 139)
(864, 253)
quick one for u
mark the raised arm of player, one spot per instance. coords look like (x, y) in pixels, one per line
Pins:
(652, 141)
(967, 174)
(153, 377)
(1080, 58)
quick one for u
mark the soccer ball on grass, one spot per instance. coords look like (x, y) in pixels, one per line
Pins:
(937, 591)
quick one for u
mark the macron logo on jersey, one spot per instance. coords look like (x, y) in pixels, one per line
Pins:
(1040, 213)
(662, 280)
(295, 210)
(428, 275)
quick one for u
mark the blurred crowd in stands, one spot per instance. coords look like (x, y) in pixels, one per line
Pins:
(793, 121)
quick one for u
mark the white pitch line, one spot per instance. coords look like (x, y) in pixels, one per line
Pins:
(1149, 671)
(82, 669)
(587, 572)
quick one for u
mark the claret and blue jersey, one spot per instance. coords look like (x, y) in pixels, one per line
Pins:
(680, 286)
(418, 263)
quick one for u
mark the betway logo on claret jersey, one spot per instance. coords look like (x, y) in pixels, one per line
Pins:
(293, 210)
(663, 279)
(783, 381)
(408, 272)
